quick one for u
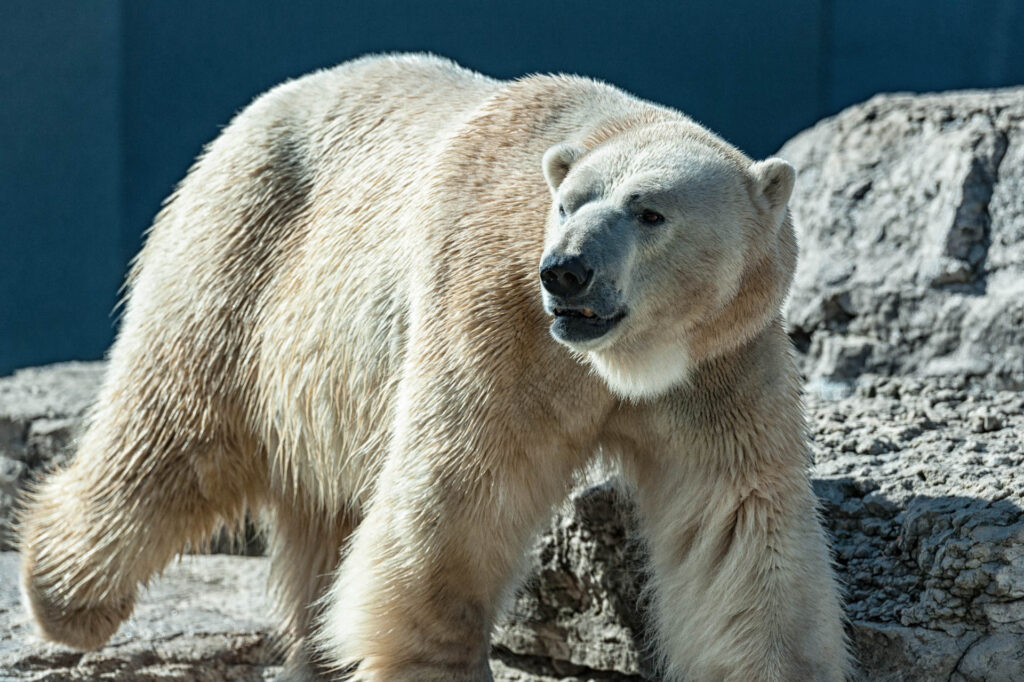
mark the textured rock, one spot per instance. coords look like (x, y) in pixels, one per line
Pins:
(922, 490)
(205, 620)
(40, 411)
(910, 214)
(578, 609)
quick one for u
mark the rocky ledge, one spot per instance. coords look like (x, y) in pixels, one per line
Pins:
(907, 315)
(922, 489)
(910, 216)
(204, 620)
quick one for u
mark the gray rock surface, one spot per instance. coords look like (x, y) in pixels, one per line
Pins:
(922, 490)
(910, 215)
(578, 611)
(40, 411)
(205, 620)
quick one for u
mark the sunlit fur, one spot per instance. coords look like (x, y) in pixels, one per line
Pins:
(336, 321)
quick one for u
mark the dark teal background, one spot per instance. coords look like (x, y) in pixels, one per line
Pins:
(104, 103)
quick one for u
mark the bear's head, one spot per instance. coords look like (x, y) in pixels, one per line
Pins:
(665, 247)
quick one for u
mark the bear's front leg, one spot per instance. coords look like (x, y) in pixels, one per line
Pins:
(742, 581)
(462, 492)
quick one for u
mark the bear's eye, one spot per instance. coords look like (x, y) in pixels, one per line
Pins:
(649, 217)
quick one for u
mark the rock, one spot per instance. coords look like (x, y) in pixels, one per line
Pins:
(997, 657)
(910, 216)
(924, 507)
(204, 620)
(40, 411)
(926, 514)
(56, 392)
(932, 550)
(892, 653)
(579, 606)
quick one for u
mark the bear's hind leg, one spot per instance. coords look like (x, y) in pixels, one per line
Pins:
(305, 550)
(139, 489)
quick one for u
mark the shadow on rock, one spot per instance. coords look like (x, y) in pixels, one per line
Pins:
(933, 584)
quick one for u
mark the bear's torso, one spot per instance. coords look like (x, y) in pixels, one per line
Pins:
(427, 195)
(353, 205)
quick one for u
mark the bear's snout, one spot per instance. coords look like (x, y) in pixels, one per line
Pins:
(565, 276)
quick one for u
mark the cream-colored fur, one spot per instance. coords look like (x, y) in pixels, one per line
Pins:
(338, 319)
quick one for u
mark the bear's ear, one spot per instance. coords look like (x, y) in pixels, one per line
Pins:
(557, 162)
(773, 183)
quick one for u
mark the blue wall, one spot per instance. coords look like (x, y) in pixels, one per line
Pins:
(61, 253)
(103, 104)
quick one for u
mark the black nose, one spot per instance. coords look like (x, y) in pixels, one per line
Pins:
(563, 276)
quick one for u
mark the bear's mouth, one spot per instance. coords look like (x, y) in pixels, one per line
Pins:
(578, 325)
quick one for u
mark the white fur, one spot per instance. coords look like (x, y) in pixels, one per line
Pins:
(639, 376)
(337, 320)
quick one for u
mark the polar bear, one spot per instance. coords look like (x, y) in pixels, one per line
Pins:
(397, 305)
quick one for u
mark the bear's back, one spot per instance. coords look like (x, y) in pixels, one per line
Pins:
(337, 303)
(298, 242)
